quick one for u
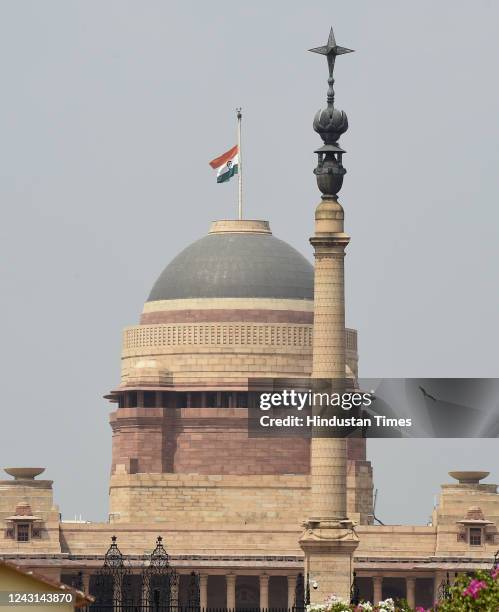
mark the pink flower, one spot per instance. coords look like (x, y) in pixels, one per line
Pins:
(474, 588)
(495, 572)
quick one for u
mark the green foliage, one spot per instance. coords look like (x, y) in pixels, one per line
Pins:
(479, 593)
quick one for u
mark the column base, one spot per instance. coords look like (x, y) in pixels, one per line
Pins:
(329, 545)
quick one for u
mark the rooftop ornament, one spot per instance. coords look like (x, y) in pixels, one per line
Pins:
(468, 477)
(24, 473)
(330, 123)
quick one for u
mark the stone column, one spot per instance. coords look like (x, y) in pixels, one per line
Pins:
(377, 589)
(411, 591)
(329, 540)
(264, 591)
(440, 576)
(291, 591)
(203, 591)
(329, 456)
(231, 590)
(86, 582)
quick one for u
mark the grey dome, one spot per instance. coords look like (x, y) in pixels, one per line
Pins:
(239, 265)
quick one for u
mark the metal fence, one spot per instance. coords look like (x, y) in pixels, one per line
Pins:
(156, 587)
(117, 587)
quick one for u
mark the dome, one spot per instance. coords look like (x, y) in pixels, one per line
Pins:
(237, 259)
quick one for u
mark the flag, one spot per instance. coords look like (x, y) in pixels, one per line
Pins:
(226, 165)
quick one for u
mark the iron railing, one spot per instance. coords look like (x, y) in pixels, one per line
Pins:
(155, 586)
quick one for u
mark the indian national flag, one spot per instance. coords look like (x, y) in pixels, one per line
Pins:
(226, 165)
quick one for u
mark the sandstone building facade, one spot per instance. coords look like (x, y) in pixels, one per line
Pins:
(228, 506)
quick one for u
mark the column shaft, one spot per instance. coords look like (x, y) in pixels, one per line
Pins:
(411, 591)
(86, 582)
(264, 591)
(231, 591)
(203, 591)
(377, 589)
(329, 455)
(440, 576)
(291, 591)
(329, 311)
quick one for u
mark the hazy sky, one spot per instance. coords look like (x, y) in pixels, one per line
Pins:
(109, 114)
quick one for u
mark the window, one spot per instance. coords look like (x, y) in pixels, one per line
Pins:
(475, 536)
(181, 400)
(225, 398)
(23, 532)
(149, 399)
(196, 400)
(242, 400)
(211, 400)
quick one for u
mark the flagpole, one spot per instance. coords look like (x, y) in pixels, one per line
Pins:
(240, 169)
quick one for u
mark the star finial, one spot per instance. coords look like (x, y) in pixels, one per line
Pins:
(331, 48)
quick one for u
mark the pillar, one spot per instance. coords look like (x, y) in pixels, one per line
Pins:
(329, 540)
(231, 591)
(203, 591)
(411, 591)
(86, 582)
(329, 456)
(264, 591)
(377, 589)
(291, 591)
(440, 576)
